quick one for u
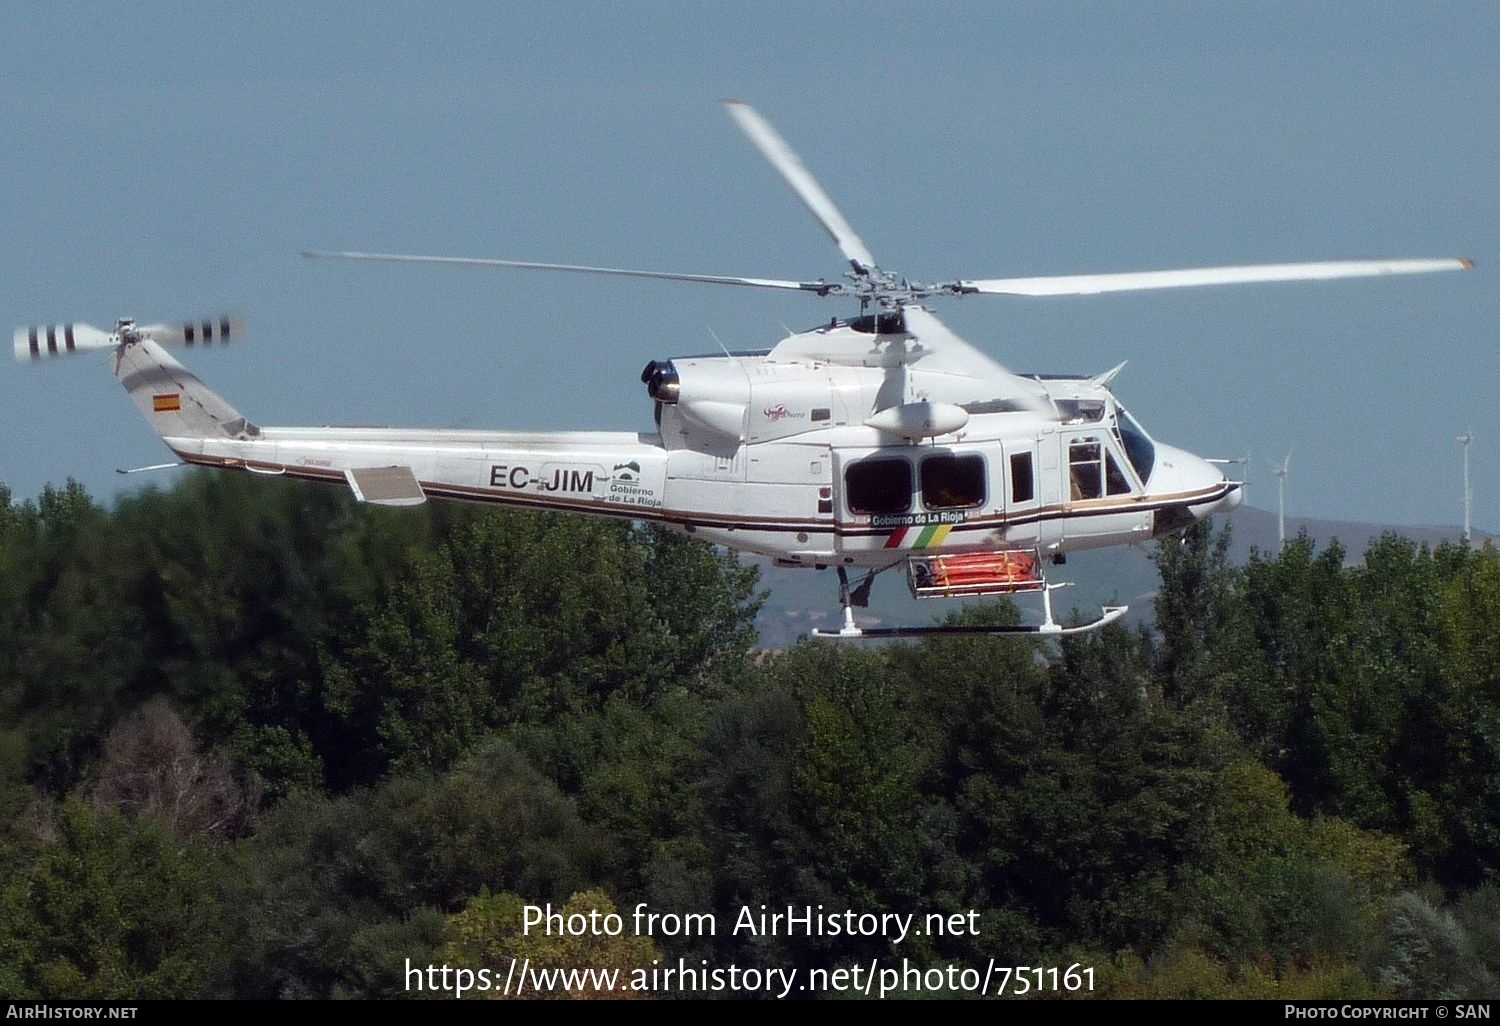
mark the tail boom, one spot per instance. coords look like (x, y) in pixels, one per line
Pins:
(615, 474)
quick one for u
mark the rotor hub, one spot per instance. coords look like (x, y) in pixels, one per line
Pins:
(126, 331)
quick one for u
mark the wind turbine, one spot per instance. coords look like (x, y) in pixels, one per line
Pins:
(1464, 440)
(1281, 473)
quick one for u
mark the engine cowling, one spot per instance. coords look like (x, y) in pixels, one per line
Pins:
(662, 382)
(710, 396)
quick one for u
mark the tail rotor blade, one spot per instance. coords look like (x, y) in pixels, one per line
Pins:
(43, 342)
(207, 331)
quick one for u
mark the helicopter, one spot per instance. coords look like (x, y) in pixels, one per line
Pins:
(872, 442)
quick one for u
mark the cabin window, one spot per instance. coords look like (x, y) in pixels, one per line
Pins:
(1085, 468)
(953, 482)
(1115, 482)
(878, 487)
(1022, 484)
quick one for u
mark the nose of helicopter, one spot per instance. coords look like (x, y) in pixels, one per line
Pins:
(1231, 501)
(1179, 472)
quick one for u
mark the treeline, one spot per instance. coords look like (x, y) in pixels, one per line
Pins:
(258, 741)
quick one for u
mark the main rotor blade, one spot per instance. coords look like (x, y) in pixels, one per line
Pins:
(940, 349)
(782, 157)
(822, 288)
(1093, 284)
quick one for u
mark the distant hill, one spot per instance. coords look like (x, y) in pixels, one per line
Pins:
(1257, 528)
(803, 599)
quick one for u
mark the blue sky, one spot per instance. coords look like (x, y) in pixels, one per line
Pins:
(169, 161)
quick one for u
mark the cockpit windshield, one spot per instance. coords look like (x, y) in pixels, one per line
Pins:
(1140, 450)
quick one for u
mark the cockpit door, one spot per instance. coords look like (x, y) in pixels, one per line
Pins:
(1100, 496)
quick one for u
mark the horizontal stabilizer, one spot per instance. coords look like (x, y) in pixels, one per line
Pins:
(386, 486)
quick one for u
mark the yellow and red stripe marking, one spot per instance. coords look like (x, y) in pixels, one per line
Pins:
(929, 536)
(166, 403)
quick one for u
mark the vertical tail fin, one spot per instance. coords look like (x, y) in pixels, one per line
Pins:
(172, 398)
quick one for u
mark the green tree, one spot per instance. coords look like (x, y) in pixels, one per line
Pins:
(333, 894)
(519, 618)
(69, 666)
(489, 934)
(1184, 972)
(1076, 788)
(1444, 953)
(112, 908)
(1270, 884)
(1465, 800)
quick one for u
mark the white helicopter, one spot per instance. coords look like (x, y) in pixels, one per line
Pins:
(869, 443)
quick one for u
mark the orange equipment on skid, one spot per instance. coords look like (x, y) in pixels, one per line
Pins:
(976, 573)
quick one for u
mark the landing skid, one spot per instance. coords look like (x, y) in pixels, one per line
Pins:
(1110, 615)
(1048, 628)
